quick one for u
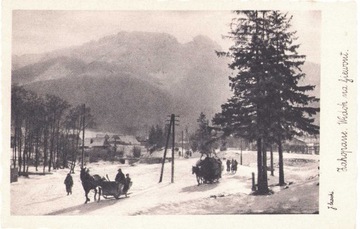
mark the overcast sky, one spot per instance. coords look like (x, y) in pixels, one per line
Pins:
(36, 31)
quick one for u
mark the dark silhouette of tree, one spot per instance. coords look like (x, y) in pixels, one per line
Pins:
(268, 105)
(55, 110)
(17, 117)
(41, 128)
(31, 126)
(160, 136)
(156, 137)
(290, 107)
(202, 140)
(73, 122)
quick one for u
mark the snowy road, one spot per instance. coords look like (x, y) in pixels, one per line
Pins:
(45, 195)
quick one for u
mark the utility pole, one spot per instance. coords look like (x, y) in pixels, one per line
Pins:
(241, 151)
(166, 146)
(173, 148)
(187, 139)
(182, 143)
(171, 128)
(83, 137)
(271, 161)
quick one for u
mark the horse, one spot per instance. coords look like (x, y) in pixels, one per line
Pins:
(198, 173)
(90, 182)
(208, 170)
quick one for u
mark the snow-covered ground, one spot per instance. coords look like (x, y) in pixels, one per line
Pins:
(46, 195)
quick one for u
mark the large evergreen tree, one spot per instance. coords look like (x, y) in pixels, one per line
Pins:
(268, 105)
(290, 111)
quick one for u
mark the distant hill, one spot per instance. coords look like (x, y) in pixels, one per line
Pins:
(139, 78)
(133, 80)
(117, 102)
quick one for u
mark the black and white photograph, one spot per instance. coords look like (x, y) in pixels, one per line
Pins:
(205, 112)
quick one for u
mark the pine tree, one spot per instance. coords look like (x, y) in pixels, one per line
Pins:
(202, 137)
(152, 136)
(244, 113)
(156, 138)
(159, 135)
(290, 106)
(268, 105)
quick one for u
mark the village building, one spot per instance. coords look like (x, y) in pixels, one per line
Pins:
(142, 140)
(100, 143)
(96, 143)
(123, 140)
(295, 146)
(306, 145)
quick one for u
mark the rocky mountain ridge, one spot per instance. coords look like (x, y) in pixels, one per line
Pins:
(135, 79)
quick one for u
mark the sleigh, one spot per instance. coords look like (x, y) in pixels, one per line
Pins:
(113, 189)
(208, 170)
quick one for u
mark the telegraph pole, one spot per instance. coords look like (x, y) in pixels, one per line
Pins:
(271, 161)
(173, 148)
(164, 157)
(241, 151)
(182, 143)
(171, 129)
(83, 137)
(187, 139)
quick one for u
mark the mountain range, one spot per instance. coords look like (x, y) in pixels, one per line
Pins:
(132, 80)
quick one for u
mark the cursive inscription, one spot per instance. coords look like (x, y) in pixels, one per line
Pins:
(343, 117)
(343, 113)
(343, 152)
(344, 77)
(330, 204)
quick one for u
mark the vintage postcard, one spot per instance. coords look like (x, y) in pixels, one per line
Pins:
(181, 114)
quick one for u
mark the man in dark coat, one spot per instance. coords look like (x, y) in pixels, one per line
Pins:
(228, 165)
(120, 177)
(234, 166)
(68, 183)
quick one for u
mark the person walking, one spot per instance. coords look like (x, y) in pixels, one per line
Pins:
(68, 183)
(234, 166)
(228, 165)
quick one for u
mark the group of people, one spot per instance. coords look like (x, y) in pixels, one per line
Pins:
(231, 165)
(120, 177)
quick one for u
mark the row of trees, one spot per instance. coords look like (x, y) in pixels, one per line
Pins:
(268, 105)
(157, 137)
(201, 140)
(45, 130)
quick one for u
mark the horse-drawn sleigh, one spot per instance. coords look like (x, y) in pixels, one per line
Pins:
(102, 186)
(208, 170)
(113, 188)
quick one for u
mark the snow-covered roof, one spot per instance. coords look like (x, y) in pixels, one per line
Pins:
(112, 137)
(295, 141)
(87, 142)
(129, 139)
(97, 142)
